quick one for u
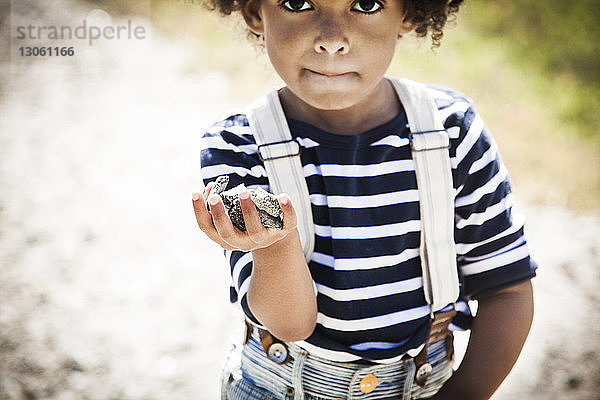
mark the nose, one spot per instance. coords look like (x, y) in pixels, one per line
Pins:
(332, 47)
(331, 38)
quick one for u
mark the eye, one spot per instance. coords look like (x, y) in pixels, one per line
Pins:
(367, 6)
(296, 5)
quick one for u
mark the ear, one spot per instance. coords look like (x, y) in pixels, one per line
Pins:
(406, 26)
(404, 29)
(253, 16)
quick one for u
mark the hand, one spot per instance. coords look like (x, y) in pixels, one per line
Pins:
(218, 227)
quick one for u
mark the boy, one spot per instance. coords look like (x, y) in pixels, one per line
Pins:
(368, 311)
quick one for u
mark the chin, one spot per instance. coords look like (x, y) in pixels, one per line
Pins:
(331, 102)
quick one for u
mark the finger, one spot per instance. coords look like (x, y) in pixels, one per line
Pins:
(204, 220)
(289, 214)
(222, 222)
(207, 189)
(256, 232)
(203, 217)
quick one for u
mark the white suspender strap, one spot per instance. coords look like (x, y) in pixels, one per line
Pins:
(281, 157)
(429, 146)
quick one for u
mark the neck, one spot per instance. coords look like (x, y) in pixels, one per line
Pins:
(377, 108)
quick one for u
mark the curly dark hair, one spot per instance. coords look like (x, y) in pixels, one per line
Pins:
(426, 15)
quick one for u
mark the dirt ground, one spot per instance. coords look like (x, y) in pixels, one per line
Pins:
(108, 290)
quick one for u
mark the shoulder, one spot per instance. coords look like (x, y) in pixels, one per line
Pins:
(229, 139)
(233, 127)
(470, 140)
(445, 96)
(227, 147)
(455, 108)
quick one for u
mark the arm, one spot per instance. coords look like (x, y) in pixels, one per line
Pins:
(497, 336)
(281, 292)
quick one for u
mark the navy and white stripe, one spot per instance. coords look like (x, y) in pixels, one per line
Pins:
(364, 198)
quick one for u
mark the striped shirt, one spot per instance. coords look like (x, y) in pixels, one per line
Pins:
(363, 192)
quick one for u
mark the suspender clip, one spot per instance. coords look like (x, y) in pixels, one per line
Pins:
(282, 149)
(437, 139)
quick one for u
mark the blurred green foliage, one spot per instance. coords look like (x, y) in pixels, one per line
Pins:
(560, 35)
(556, 39)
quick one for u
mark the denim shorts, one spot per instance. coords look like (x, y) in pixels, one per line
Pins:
(250, 375)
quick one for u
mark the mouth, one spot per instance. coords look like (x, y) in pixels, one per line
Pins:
(329, 74)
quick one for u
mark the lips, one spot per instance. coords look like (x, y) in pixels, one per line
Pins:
(330, 74)
(326, 73)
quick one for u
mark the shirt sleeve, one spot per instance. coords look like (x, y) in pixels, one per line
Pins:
(228, 148)
(492, 252)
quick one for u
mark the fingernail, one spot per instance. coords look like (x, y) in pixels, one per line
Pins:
(285, 200)
(244, 195)
(195, 196)
(213, 199)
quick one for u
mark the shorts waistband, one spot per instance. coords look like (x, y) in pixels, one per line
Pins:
(319, 377)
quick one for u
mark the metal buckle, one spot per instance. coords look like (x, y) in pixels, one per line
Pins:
(412, 147)
(263, 159)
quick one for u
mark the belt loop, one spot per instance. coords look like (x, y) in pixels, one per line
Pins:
(297, 374)
(353, 381)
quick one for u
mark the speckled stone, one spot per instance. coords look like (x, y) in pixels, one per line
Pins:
(220, 184)
(266, 204)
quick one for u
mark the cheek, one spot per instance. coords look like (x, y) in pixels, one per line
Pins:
(378, 55)
(282, 48)
(379, 41)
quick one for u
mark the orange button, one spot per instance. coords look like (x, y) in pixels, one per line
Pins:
(368, 383)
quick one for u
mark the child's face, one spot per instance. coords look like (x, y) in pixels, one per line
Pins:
(331, 53)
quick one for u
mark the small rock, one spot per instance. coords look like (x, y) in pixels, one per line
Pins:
(220, 184)
(266, 204)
